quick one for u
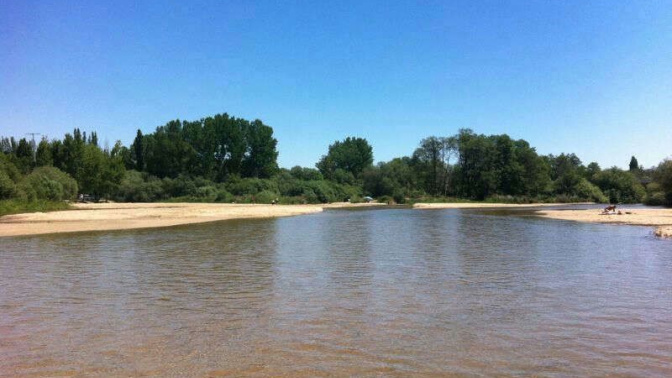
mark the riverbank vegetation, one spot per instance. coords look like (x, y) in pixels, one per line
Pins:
(229, 159)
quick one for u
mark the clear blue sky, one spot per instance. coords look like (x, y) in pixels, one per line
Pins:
(589, 77)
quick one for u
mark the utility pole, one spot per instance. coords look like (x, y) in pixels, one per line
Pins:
(34, 146)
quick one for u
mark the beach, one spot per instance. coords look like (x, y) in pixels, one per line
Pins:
(125, 216)
(659, 218)
(480, 205)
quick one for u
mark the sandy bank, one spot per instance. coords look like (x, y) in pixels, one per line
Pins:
(662, 218)
(478, 205)
(123, 216)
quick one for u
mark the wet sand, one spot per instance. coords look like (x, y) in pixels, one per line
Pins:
(660, 218)
(124, 216)
(478, 205)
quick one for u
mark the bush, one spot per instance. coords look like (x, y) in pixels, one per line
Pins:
(138, 187)
(587, 191)
(619, 186)
(343, 177)
(385, 199)
(16, 206)
(265, 196)
(224, 196)
(655, 199)
(9, 168)
(7, 186)
(48, 183)
(306, 174)
(251, 186)
(310, 196)
(399, 196)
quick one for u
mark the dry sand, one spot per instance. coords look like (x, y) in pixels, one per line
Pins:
(123, 216)
(662, 218)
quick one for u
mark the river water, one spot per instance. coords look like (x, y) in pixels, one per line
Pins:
(395, 292)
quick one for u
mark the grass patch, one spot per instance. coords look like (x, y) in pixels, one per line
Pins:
(20, 206)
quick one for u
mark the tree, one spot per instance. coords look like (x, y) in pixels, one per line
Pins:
(663, 176)
(634, 165)
(43, 156)
(433, 156)
(23, 156)
(138, 151)
(619, 185)
(477, 165)
(352, 155)
(591, 170)
(261, 157)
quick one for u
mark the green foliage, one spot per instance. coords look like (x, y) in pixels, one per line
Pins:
(9, 176)
(215, 148)
(634, 165)
(620, 186)
(48, 183)
(585, 190)
(99, 173)
(261, 155)
(252, 186)
(17, 206)
(226, 159)
(491, 165)
(657, 198)
(44, 155)
(663, 176)
(343, 177)
(266, 196)
(138, 152)
(7, 186)
(139, 187)
(351, 155)
(306, 174)
(432, 160)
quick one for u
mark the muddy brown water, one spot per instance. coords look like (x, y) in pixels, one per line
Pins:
(377, 292)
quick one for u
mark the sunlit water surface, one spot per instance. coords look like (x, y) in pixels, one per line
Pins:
(380, 292)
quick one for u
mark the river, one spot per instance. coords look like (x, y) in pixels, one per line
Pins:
(395, 292)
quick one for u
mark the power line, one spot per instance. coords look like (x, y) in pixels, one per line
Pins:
(34, 146)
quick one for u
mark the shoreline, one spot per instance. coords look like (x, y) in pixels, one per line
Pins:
(661, 219)
(480, 205)
(130, 216)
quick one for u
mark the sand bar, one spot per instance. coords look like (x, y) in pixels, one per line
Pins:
(661, 218)
(124, 216)
(479, 205)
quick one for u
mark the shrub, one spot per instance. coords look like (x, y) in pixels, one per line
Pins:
(223, 196)
(385, 199)
(266, 196)
(206, 193)
(138, 187)
(306, 174)
(310, 196)
(587, 191)
(619, 186)
(399, 196)
(246, 186)
(655, 199)
(48, 183)
(7, 186)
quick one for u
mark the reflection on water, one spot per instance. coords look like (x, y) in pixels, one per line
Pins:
(397, 292)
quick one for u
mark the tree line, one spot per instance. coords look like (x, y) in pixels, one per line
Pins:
(226, 159)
